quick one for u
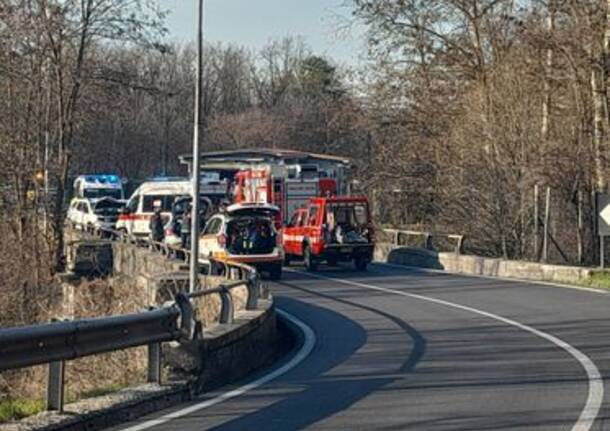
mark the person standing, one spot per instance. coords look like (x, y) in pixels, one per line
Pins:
(185, 227)
(156, 225)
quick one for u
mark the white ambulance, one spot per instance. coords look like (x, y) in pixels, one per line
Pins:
(98, 186)
(135, 217)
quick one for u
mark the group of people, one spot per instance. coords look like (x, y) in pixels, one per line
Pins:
(157, 225)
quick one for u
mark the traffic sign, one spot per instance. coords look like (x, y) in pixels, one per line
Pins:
(603, 214)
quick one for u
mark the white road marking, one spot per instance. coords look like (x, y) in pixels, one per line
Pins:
(596, 386)
(304, 351)
(491, 277)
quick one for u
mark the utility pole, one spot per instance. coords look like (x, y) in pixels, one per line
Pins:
(198, 123)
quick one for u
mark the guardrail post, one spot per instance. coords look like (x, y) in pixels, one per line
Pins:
(226, 306)
(459, 248)
(55, 387)
(154, 363)
(186, 315)
(252, 285)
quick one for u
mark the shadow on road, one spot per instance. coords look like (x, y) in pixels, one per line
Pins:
(323, 393)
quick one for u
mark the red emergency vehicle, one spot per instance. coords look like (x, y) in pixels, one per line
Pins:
(272, 185)
(331, 229)
(280, 177)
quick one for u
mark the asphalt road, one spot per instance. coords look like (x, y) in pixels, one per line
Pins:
(404, 349)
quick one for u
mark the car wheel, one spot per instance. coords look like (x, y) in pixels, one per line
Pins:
(361, 263)
(309, 259)
(275, 273)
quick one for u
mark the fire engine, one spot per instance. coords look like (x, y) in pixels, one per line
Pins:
(275, 186)
(284, 178)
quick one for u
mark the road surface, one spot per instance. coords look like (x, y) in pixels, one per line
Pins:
(406, 349)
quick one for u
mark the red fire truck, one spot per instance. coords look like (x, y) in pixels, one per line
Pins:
(284, 178)
(273, 186)
(331, 229)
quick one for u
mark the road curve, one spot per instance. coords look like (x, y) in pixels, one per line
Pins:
(405, 349)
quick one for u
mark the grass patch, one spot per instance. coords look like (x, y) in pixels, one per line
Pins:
(600, 279)
(18, 409)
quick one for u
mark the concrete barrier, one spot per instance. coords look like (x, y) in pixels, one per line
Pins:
(477, 265)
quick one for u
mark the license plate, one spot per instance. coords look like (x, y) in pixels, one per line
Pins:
(347, 250)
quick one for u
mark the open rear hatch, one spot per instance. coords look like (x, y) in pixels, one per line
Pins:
(261, 210)
(250, 229)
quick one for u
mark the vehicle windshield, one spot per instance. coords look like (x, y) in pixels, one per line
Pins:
(182, 202)
(250, 235)
(108, 207)
(102, 193)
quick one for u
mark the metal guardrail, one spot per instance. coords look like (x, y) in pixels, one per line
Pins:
(398, 234)
(243, 274)
(55, 343)
(61, 341)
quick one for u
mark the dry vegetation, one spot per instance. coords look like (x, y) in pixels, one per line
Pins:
(89, 375)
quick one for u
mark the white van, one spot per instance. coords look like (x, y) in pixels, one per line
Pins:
(135, 217)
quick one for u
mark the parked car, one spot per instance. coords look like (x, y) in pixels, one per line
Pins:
(331, 229)
(135, 218)
(245, 233)
(93, 215)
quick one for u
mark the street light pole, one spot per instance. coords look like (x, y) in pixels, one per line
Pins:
(198, 129)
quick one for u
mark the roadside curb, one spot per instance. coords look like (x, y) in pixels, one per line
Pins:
(541, 283)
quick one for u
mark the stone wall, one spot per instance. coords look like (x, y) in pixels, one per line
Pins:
(478, 265)
(154, 278)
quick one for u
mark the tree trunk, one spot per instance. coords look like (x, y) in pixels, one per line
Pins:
(546, 102)
(598, 130)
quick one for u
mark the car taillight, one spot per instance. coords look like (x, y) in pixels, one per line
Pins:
(222, 240)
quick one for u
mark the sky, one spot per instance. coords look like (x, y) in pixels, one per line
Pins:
(253, 23)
